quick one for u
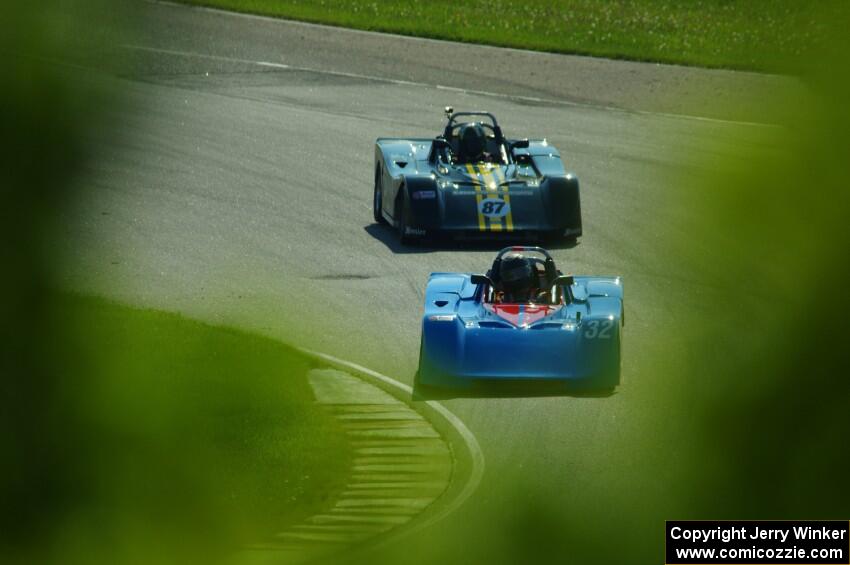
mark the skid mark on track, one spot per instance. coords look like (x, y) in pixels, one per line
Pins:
(342, 277)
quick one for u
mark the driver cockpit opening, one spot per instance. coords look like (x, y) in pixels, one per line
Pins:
(474, 145)
(520, 278)
(473, 142)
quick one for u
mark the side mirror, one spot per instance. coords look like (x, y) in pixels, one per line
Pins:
(519, 144)
(564, 280)
(481, 279)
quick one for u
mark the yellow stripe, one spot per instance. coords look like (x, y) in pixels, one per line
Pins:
(482, 226)
(509, 218)
(490, 184)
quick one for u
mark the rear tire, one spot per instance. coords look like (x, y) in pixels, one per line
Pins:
(378, 197)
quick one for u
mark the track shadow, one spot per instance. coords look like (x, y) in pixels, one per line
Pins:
(507, 389)
(389, 237)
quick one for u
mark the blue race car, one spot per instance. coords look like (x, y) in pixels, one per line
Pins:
(523, 320)
(472, 182)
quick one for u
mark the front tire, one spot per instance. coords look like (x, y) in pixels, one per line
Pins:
(378, 197)
(402, 214)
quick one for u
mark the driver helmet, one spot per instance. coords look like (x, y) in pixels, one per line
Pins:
(518, 276)
(473, 141)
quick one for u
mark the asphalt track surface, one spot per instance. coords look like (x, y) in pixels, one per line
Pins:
(239, 189)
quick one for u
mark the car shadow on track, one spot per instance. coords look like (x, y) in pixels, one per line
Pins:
(512, 389)
(389, 237)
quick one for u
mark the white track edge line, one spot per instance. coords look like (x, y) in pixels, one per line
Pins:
(468, 438)
(374, 78)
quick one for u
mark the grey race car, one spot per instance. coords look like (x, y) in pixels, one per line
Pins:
(471, 182)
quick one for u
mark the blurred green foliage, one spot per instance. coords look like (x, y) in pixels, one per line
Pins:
(127, 440)
(42, 113)
(172, 441)
(744, 400)
(129, 436)
(735, 34)
(198, 434)
(776, 243)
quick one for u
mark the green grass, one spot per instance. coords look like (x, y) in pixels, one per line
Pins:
(195, 436)
(713, 33)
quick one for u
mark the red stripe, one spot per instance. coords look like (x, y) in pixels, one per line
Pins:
(532, 312)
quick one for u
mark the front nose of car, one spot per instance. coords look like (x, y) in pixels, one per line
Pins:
(511, 352)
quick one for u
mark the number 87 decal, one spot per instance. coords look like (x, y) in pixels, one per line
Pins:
(599, 329)
(492, 206)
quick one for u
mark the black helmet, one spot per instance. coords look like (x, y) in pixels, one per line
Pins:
(473, 141)
(517, 273)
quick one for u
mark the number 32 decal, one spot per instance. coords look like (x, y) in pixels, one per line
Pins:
(599, 329)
